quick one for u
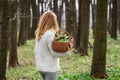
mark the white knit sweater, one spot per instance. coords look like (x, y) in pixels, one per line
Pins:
(46, 59)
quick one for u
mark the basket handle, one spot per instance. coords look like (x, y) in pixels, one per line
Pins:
(63, 31)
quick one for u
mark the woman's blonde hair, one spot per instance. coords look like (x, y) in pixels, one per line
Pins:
(47, 21)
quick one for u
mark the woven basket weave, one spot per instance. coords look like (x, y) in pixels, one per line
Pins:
(61, 46)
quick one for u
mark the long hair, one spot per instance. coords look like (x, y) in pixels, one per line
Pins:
(47, 21)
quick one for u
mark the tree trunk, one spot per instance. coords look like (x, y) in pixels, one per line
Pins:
(50, 5)
(13, 58)
(28, 19)
(68, 15)
(60, 12)
(100, 43)
(114, 20)
(56, 10)
(118, 5)
(35, 18)
(0, 19)
(73, 19)
(110, 17)
(23, 22)
(84, 27)
(42, 8)
(79, 26)
(4, 38)
(56, 6)
(93, 15)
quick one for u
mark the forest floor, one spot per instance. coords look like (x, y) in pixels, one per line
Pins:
(73, 67)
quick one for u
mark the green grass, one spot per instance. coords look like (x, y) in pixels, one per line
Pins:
(73, 67)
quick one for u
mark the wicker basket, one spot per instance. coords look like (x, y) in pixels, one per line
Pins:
(60, 46)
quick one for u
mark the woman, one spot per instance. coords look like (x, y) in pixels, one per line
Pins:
(47, 60)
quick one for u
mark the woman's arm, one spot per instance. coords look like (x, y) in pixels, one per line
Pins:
(50, 38)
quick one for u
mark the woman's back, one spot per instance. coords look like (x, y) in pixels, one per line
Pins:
(44, 58)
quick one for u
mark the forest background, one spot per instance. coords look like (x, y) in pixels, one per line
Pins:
(94, 24)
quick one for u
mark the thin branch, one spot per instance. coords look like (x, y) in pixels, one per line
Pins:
(15, 16)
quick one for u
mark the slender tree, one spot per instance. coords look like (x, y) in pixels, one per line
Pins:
(0, 19)
(60, 13)
(4, 38)
(28, 18)
(22, 30)
(93, 14)
(50, 5)
(42, 8)
(110, 17)
(71, 21)
(56, 6)
(85, 9)
(57, 11)
(13, 58)
(114, 20)
(0, 13)
(35, 18)
(68, 14)
(118, 6)
(100, 43)
(79, 26)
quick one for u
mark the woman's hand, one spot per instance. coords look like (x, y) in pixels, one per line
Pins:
(71, 44)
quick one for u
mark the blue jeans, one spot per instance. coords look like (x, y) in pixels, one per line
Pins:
(49, 75)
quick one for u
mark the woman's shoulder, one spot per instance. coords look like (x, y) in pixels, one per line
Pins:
(50, 32)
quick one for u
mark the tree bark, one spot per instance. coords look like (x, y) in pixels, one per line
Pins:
(60, 13)
(56, 6)
(71, 21)
(114, 20)
(56, 10)
(42, 8)
(79, 26)
(27, 20)
(23, 22)
(0, 19)
(118, 5)
(4, 38)
(84, 27)
(110, 17)
(50, 5)
(35, 18)
(68, 15)
(100, 43)
(13, 58)
(93, 15)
